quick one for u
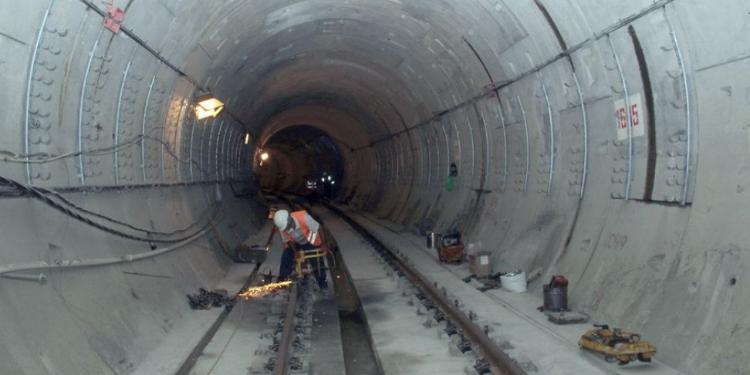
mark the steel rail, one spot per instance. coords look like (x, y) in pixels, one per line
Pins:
(281, 365)
(500, 362)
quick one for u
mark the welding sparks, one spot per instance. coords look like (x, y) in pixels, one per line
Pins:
(263, 290)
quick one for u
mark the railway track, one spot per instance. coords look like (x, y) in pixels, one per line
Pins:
(360, 357)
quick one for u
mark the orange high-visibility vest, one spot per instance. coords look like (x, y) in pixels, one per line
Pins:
(314, 238)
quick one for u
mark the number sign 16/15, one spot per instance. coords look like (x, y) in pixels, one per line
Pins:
(636, 116)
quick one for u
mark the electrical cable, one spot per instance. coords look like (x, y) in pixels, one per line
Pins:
(115, 221)
(24, 159)
(39, 195)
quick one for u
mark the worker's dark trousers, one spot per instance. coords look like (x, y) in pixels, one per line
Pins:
(287, 265)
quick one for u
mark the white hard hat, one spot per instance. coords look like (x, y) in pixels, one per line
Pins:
(281, 219)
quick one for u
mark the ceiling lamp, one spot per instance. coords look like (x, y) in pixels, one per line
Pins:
(207, 106)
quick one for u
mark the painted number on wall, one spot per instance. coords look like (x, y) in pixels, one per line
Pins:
(636, 116)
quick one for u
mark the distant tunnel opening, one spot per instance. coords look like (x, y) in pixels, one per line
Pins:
(301, 159)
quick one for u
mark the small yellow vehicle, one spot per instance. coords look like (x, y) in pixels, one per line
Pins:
(617, 345)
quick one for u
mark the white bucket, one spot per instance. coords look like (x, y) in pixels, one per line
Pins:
(514, 281)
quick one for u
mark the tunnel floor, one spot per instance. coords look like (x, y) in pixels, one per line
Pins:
(402, 336)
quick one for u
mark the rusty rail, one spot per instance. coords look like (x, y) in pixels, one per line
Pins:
(499, 361)
(281, 365)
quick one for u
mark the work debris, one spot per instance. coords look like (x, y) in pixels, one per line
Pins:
(205, 300)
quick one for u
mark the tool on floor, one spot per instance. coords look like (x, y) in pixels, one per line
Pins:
(205, 300)
(617, 345)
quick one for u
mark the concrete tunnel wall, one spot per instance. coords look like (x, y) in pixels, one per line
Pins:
(648, 228)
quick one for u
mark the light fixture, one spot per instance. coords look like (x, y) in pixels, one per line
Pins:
(207, 106)
(264, 156)
(247, 138)
(333, 182)
(322, 179)
(329, 178)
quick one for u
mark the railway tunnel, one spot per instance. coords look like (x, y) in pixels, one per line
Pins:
(601, 140)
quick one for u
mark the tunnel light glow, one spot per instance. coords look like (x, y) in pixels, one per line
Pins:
(333, 182)
(322, 179)
(207, 106)
(264, 156)
(247, 138)
(329, 178)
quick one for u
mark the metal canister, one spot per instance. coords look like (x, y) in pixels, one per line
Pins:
(432, 239)
(555, 298)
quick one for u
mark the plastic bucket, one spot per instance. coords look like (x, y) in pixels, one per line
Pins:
(514, 281)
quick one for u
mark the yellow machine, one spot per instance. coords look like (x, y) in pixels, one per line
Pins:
(301, 257)
(617, 345)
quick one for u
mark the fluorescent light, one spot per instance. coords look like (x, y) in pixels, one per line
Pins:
(247, 138)
(207, 106)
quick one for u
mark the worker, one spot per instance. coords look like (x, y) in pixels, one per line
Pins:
(299, 231)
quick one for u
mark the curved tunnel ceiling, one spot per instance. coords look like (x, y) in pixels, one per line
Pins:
(603, 140)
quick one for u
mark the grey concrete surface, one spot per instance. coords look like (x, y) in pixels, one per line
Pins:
(516, 324)
(647, 222)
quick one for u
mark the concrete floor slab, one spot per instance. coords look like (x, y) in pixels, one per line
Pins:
(403, 344)
(524, 332)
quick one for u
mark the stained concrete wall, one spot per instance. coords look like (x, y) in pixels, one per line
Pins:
(648, 228)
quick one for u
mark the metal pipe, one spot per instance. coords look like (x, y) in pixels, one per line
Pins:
(222, 171)
(38, 278)
(162, 144)
(584, 172)
(238, 155)
(143, 127)
(117, 122)
(473, 149)
(688, 124)
(487, 152)
(459, 154)
(627, 115)
(190, 153)
(228, 158)
(447, 147)
(528, 158)
(505, 140)
(429, 160)
(203, 150)
(81, 101)
(94, 262)
(32, 69)
(551, 137)
(177, 139)
(437, 151)
(216, 154)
